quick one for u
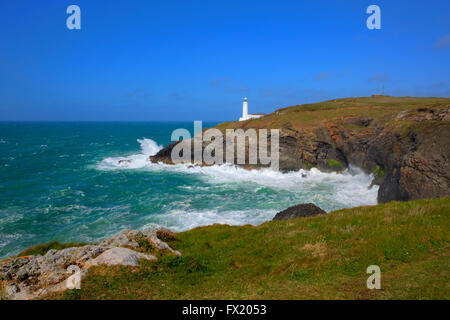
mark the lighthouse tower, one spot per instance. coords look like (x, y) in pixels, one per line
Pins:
(245, 109)
(246, 115)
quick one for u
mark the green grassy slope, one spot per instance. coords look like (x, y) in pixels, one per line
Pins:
(312, 115)
(323, 257)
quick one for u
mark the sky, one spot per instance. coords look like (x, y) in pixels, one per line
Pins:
(196, 60)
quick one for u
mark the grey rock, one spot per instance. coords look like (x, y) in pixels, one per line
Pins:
(34, 276)
(120, 256)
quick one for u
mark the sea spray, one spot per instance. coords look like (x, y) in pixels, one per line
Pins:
(135, 161)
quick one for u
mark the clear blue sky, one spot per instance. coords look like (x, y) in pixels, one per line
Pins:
(186, 60)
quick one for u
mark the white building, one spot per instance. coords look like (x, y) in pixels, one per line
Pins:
(246, 115)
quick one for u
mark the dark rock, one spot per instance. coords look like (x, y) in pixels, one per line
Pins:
(164, 155)
(300, 210)
(422, 166)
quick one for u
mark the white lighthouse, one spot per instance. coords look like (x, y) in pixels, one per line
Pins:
(246, 115)
(245, 109)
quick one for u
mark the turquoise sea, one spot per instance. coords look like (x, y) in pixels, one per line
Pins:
(63, 181)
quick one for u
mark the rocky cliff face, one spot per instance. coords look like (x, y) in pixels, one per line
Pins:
(404, 142)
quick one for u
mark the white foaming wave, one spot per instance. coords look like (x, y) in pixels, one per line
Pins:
(149, 148)
(8, 238)
(350, 187)
(179, 220)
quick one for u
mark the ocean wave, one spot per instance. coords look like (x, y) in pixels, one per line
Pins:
(135, 161)
(179, 220)
(8, 238)
(350, 187)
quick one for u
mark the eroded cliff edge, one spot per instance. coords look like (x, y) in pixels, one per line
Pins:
(404, 142)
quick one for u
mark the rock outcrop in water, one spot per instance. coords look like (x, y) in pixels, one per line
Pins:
(403, 142)
(34, 276)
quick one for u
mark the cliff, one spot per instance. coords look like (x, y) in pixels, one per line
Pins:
(403, 141)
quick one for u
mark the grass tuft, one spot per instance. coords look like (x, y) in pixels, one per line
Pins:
(42, 249)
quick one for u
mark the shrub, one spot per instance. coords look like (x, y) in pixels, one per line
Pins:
(166, 235)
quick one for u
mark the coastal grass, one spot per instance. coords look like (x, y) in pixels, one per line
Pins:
(322, 257)
(42, 249)
(309, 116)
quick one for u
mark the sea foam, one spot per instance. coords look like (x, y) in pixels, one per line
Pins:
(135, 161)
(350, 187)
(181, 220)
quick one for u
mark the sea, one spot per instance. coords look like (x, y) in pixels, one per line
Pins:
(63, 181)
